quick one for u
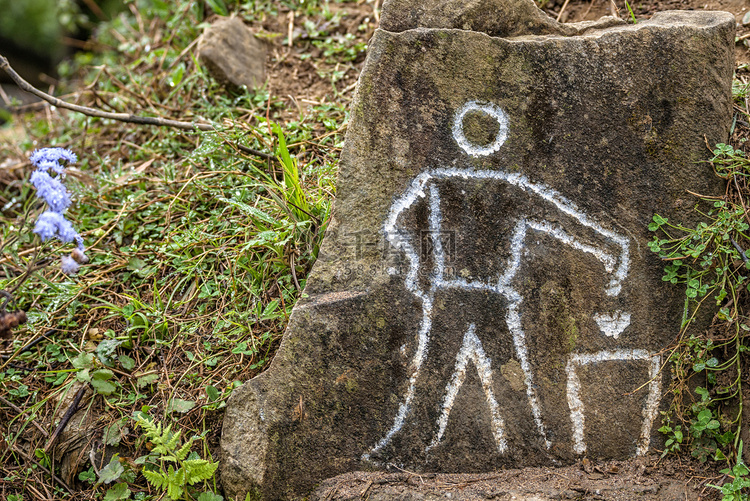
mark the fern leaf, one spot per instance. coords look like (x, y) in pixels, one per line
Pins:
(173, 441)
(153, 431)
(144, 421)
(174, 491)
(184, 450)
(157, 479)
(159, 449)
(177, 477)
(198, 470)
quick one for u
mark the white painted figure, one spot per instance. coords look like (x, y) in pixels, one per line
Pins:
(612, 324)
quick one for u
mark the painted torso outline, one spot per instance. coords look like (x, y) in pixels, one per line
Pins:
(616, 266)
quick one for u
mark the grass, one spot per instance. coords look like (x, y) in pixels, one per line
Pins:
(198, 249)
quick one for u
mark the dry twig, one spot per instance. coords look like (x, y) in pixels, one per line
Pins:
(68, 414)
(20, 411)
(120, 117)
(31, 459)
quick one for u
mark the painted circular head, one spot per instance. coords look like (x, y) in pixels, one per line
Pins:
(480, 150)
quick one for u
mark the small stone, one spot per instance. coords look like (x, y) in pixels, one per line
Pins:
(746, 19)
(232, 54)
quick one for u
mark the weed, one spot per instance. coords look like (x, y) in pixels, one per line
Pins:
(630, 11)
(739, 473)
(712, 261)
(674, 435)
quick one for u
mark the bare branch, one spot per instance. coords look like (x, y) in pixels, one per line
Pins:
(121, 117)
(68, 414)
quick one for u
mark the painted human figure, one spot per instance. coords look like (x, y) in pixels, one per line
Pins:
(508, 215)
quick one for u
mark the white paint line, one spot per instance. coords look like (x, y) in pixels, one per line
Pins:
(559, 201)
(405, 406)
(556, 232)
(652, 406)
(576, 408)
(436, 219)
(478, 150)
(617, 268)
(513, 321)
(577, 411)
(471, 349)
(612, 324)
(400, 241)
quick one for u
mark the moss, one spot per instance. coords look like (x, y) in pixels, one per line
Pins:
(480, 128)
(254, 494)
(571, 332)
(351, 385)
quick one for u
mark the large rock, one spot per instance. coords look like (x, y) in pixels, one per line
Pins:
(497, 18)
(485, 296)
(232, 55)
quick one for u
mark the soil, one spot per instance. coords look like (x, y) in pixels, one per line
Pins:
(299, 74)
(298, 80)
(644, 479)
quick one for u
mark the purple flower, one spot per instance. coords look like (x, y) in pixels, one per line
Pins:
(52, 223)
(69, 265)
(49, 158)
(51, 190)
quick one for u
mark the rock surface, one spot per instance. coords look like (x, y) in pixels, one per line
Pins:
(232, 55)
(485, 297)
(497, 18)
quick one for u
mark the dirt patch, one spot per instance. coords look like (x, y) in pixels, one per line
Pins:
(644, 479)
(301, 73)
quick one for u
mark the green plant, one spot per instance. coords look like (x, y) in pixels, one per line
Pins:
(171, 466)
(304, 212)
(99, 378)
(630, 11)
(116, 471)
(674, 435)
(740, 90)
(712, 261)
(733, 491)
